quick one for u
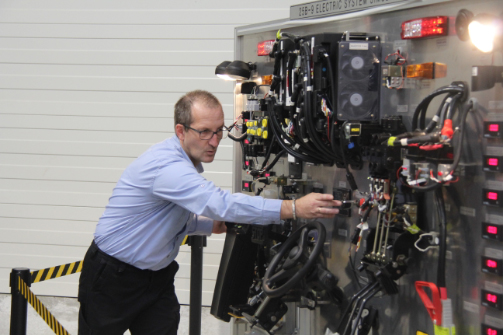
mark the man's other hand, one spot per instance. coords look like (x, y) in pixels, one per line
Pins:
(219, 227)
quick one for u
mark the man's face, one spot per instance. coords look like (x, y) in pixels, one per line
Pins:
(203, 118)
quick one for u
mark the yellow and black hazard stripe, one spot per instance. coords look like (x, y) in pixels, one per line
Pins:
(56, 271)
(51, 321)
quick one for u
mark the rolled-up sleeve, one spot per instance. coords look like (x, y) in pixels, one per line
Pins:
(180, 183)
(200, 225)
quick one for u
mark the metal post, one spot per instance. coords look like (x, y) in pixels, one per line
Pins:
(19, 305)
(196, 283)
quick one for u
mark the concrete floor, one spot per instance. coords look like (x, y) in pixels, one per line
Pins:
(66, 311)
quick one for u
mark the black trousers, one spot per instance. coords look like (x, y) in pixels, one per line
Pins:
(115, 296)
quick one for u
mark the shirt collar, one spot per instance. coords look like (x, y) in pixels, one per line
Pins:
(178, 146)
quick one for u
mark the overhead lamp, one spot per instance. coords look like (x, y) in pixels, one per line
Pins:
(220, 70)
(484, 30)
(236, 70)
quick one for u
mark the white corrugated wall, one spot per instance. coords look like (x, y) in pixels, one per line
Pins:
(87, 86)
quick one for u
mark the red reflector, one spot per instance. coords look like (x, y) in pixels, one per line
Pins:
(267, 174)
(494, 127)
(247, 163)
(247, 185)
(247, 142)
(492, 331)
(492, 229)
(493, 161)
(425, 27)
(491, 264)
(264, 48)
(492, 195)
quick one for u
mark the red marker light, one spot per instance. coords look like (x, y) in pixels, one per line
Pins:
(267, 174)
(247, 185)
(492, 229)
(492, 195)
(264, 48)
(492, 331)
(494, 127)
(425, 27)
(493, 161)
(491, 264)
(247, 163)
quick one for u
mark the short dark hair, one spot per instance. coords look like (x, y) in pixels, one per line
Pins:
(183, 107)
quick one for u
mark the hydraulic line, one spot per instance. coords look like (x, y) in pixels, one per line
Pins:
(420, 112)
(315, 156)
(276, 128)
(309, 106)
(442, 225)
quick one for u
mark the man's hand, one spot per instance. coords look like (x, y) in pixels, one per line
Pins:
(219, 227)
(311, 206)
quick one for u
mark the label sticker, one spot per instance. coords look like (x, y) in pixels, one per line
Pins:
(358, 46)
(493, 287)
(493, 253)
(471, 307)
(496, 104)
(343, 232)
(402, 108)
(467, 211)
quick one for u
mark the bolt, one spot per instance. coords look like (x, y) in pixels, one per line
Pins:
(273, 318)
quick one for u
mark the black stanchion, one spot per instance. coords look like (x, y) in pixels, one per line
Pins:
(19, 305)
(196, 283)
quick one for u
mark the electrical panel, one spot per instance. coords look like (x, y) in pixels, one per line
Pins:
(398, 116)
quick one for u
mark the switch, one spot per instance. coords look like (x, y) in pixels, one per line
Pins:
(489, 330)
(492, 163)
(492, 265)
(492, 299)
(246, 186)
(492, 197)
(492, 231)
(493, 129)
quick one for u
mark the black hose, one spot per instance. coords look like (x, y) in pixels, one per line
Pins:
(291, 59)
(275, 160)
(277, 132)
(442, 225)
(459, 147)
(269, 150)
(238, 138)
(310, 106)
(420, 112)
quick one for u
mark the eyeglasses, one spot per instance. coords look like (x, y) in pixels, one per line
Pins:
(208, 134)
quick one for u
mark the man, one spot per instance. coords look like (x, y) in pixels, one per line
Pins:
(128, 273)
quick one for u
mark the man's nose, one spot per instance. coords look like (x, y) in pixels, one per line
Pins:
(214, 140)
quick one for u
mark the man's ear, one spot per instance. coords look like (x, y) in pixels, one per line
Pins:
(179, 131)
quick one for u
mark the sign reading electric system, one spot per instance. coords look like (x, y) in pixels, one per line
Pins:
(333, 7)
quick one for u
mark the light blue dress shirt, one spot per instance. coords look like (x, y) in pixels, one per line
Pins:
(160, 198)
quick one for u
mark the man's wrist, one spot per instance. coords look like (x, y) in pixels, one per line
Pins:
(294, 214)
(286, 210)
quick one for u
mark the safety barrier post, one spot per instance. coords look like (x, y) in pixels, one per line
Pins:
(196, 283)
(19, 305)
